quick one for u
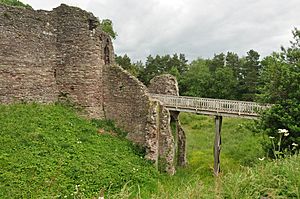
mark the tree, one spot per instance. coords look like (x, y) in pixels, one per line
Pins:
(197, 80)
(223, 84)
(280, 81)
(177, 65)
(249, 75)
(125, 63)
(14, 3)
(200, 81)
(107, 26)
(217, 62)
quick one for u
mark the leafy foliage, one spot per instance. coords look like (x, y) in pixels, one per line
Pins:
(14, 3)
(176, 65)
(280, 81)
(224, 76)
(47, 151)
(107, 26)
(125, 63)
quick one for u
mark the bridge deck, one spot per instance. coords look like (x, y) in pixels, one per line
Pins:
(208, 106)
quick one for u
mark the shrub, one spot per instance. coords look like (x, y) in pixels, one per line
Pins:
(16, 3)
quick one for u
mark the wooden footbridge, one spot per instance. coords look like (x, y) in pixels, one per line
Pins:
(214, 107)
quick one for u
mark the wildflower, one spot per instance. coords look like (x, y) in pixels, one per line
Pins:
(286, 134)
(294, 144)
(284, 131)
(79, 142)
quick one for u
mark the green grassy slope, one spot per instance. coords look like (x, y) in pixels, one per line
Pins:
(270, 179)
(239, 145)
(46, 151)
(242, 175)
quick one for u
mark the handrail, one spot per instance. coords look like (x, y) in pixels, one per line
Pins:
(211, 105)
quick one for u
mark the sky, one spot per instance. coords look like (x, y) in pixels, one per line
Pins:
(196, 28)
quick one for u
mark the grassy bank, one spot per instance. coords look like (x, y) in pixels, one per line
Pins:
(245, 171)
(47, 151)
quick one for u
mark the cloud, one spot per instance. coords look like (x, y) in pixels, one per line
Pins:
(197, 28)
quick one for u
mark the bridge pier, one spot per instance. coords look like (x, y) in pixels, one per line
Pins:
(217, 145)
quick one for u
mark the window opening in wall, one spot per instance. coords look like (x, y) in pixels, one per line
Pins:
(106, 55)
(92, 24)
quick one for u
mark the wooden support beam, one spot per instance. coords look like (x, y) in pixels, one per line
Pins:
(217, 146)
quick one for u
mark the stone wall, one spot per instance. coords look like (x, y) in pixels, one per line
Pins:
(126, 101)
(147, 121)
(168, 85)
(164, 84)
(27, 56)
(50, 55)
(80, 58)
(46, 56)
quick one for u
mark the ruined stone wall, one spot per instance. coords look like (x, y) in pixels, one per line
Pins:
(62, 54)
(164, 84)
(167, 84)
(27, 55)
(80, 58)
(50, 55)
(147, 121)
(126, 101)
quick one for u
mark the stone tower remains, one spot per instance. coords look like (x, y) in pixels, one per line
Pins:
(46, 56)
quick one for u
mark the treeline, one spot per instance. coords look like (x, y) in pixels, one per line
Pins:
(225, 76)
(273, 79)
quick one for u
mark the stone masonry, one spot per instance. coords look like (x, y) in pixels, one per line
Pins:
(47, 56)
(168, 85)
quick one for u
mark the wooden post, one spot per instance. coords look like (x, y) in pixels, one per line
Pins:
(217, 147)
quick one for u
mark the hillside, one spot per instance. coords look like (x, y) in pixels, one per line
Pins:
(47, 151)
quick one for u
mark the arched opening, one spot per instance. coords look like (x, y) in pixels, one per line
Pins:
(106, 55)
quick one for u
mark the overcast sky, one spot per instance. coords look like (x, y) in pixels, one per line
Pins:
(197, 28)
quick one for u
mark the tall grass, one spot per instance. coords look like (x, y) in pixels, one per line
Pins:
(240, 147)
(47, 151)
(273, 179)
(243, 172)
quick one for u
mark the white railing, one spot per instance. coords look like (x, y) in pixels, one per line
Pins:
(216, 106)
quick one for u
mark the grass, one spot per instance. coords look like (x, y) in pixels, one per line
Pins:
(242, 175)
(47, 151)
(272, 179)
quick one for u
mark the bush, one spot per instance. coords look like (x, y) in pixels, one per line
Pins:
(14, 3)
(280, 85)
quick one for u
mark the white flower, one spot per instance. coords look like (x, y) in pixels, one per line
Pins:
(282, 131)
(261, 159)
(286, 134)
(294, 144)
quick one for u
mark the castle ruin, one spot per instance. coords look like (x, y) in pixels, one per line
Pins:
(47, 56)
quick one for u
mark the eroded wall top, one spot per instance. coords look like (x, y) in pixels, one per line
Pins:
(47, 55)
